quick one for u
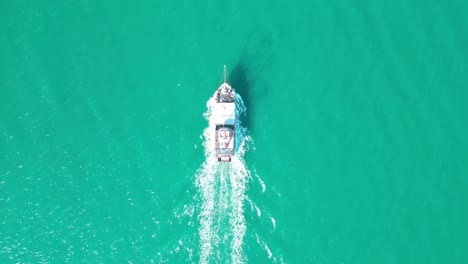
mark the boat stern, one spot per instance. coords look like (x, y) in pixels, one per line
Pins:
(225, 135)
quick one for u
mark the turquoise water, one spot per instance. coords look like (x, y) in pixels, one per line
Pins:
(355, 149)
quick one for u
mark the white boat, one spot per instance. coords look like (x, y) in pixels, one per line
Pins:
(224, 114)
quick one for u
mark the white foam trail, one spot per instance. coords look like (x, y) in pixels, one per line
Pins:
(273, 222)
(222, 189)
(259, 212)
(205, 182)
(251, 204)
(238, 182)
(265, 246)
(260, 181)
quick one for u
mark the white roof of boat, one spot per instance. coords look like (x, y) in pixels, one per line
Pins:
(224, 113)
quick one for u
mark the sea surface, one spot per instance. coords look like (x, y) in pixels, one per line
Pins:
(352, 143)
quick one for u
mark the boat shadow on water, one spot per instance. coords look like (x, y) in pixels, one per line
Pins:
(242, 86)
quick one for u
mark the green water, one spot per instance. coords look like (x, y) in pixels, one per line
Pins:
(356, 112)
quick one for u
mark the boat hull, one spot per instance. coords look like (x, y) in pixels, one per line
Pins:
(224, 114)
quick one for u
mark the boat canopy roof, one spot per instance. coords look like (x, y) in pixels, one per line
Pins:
(225, 113)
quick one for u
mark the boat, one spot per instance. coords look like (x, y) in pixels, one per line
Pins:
(224, 113)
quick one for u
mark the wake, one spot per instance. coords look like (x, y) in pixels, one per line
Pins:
(222, 188)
